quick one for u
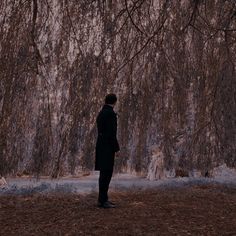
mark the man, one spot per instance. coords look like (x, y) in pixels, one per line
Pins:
(106, 147)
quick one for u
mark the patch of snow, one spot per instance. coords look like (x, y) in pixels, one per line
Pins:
(224, 174)
(195, 174)
(119, 182)
(3, 182)
(156, 166)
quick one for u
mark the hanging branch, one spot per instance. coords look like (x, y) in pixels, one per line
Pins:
(131, 18)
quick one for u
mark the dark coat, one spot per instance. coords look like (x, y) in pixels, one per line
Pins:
(107, 143)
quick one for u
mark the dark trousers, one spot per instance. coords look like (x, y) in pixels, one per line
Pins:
(104, 181)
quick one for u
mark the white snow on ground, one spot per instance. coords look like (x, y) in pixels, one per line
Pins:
(120, 182)
(224, 174)
(3, 182)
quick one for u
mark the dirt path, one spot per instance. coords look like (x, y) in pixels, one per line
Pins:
(195, 210)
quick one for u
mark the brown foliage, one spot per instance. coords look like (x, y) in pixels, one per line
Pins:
(172, 64)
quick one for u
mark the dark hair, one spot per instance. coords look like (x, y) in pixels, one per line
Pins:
(110, 99)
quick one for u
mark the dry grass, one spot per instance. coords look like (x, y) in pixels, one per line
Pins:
(199, 210)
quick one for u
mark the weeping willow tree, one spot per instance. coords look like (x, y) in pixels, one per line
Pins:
(171, 63)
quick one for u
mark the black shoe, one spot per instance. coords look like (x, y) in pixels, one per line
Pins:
(99, 204)
(106, 205)
(112, 203)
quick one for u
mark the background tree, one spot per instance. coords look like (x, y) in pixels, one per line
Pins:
(172, 64)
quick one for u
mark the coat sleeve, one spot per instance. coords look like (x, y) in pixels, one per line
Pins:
(113, 132)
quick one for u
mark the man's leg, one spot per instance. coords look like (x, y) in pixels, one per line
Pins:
(104, 181)
(108, 180)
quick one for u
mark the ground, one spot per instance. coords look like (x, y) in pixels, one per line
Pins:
(192, 210)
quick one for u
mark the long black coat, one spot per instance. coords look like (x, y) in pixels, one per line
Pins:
(107, 143)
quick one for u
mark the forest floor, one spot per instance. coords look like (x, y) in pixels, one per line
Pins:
(189, 210)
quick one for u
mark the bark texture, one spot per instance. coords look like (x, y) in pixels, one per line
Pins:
(171, 63)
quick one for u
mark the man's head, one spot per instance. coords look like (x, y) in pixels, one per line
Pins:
(111, 99)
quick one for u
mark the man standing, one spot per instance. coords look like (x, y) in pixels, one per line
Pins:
(106, 147)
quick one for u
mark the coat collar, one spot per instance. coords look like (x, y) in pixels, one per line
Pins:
(106, 106)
